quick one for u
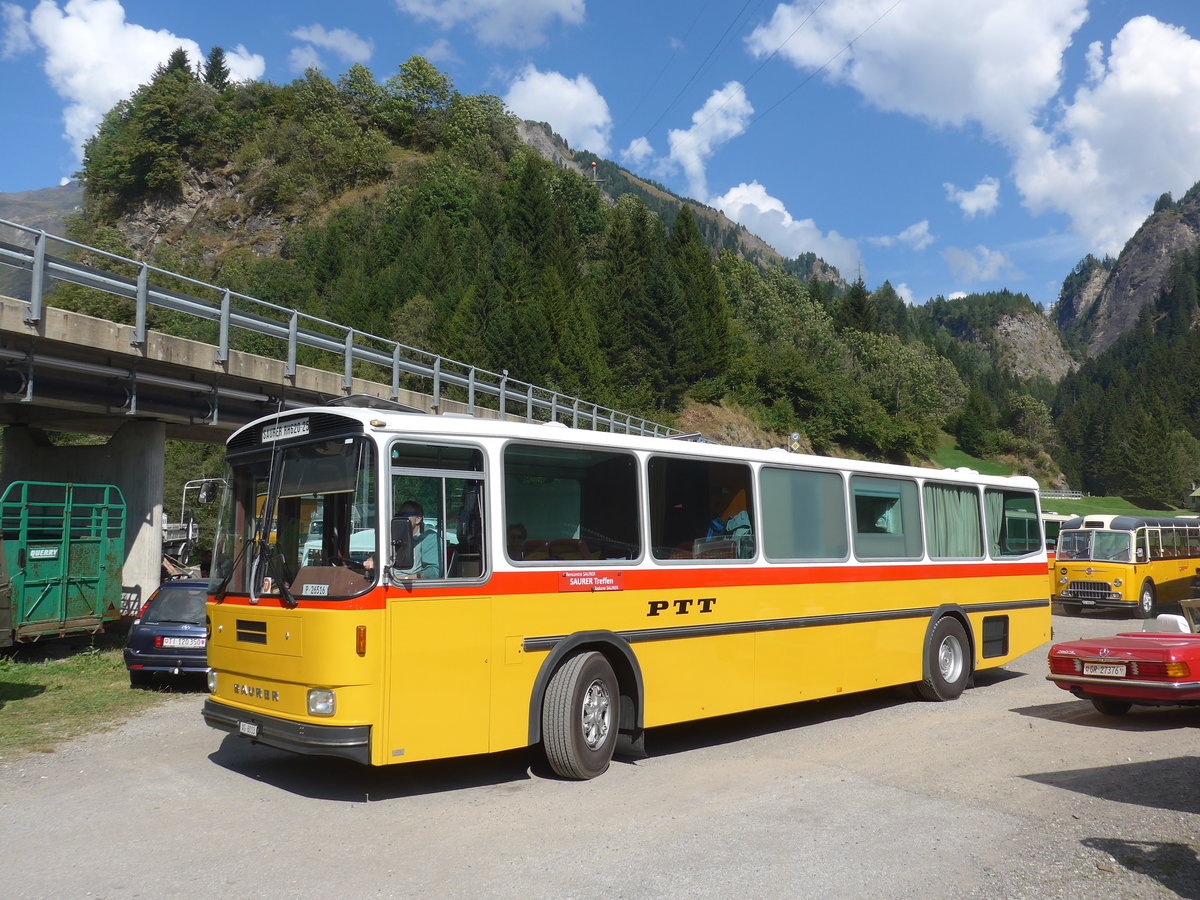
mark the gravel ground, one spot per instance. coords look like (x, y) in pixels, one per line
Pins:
(1015, 790)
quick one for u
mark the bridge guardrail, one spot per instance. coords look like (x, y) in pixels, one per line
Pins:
(299, 329)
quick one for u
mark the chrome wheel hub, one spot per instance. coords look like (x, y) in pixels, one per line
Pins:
(597, 708)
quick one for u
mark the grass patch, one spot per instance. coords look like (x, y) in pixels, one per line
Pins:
(1116, 506)
(47, 701)
(948, 456)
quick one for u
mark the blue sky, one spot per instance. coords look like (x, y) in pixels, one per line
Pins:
(945, 145)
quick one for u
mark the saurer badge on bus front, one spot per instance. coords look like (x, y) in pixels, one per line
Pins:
(590, 581)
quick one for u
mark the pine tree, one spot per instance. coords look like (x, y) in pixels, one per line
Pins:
(216, 72)
(976, 424)
(703, 335)
(857, 311)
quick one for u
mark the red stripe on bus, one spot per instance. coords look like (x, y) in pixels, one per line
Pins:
(548, 581)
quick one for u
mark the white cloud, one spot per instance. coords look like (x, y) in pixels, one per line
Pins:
(638, 151)
(439, 51)
(983, 199)
(724, 115)
(344, 43)
(948, 61)
(904, 292)
(956, 295)
(304, 57)
(516, 23)
(916, 236)
(573, 107)
(766, 216)
(93, 57)
(980, 264)
(1127, 136)
(1100, 155)
(17, 39)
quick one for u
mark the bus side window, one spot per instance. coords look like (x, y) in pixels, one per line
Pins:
(700, 509)
(569, 505)
(887, 518)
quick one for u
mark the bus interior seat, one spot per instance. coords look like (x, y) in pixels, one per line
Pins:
(536, 550)
(568, 548)
(716, 549)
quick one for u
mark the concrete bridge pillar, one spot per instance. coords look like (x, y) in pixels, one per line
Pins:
(132, 460)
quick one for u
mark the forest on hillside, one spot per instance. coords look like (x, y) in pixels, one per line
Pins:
(415, 212)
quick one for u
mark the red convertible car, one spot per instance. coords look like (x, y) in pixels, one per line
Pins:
(1159, 667)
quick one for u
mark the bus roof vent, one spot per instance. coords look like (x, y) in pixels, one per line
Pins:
(1092, 523)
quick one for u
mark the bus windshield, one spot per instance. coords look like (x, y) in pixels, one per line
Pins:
(1095, 545)
(310, 505)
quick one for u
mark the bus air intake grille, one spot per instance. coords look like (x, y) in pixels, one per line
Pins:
(250, 632)
(1090, 590)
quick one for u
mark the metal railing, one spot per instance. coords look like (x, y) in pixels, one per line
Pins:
(1054, 494)
(230, 311)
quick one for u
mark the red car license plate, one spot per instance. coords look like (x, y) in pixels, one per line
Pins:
(1110, 669)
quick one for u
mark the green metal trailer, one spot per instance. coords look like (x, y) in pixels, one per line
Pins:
(64, 545)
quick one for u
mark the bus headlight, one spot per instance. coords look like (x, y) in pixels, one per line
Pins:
(1062, 580)
(1117, 582)
(212, 681)
(321, 702)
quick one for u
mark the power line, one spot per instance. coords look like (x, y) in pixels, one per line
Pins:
(772, 55)
(670, 59)
(823, 66)
(699, 69)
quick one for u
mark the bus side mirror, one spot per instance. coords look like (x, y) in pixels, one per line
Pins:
(1141, 553)
(207, 493)
(402, 543)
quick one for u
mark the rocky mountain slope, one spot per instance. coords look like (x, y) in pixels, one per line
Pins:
(1028, 345)
(1101, 304)
(720, 231)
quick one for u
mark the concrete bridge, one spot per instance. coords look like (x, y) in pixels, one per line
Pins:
(74, 373)
(65, 371)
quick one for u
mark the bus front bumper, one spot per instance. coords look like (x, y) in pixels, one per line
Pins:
(347, 741)
(1094, 603)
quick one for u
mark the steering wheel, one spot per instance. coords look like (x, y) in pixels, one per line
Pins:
(352, 564)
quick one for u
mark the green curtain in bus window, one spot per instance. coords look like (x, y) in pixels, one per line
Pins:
(952, 523)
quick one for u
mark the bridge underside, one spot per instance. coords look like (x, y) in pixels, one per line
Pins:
(75, 373)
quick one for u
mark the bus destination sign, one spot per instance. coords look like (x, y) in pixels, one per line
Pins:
(280, 430)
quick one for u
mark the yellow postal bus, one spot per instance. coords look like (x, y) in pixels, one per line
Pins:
(534, 584)
(1126, 562)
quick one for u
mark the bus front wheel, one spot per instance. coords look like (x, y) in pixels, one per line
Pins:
(580, 713)
(1145, 607)
(948, 663)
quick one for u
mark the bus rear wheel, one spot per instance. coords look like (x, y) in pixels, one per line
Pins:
(948, 662)
(1146, 600)
(580, 714)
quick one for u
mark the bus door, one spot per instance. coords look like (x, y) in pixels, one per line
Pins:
(440, 645)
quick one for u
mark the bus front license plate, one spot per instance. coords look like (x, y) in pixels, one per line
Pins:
(250, 729)
(1104, 669)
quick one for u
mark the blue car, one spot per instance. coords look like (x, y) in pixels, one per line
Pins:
(168, 636)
